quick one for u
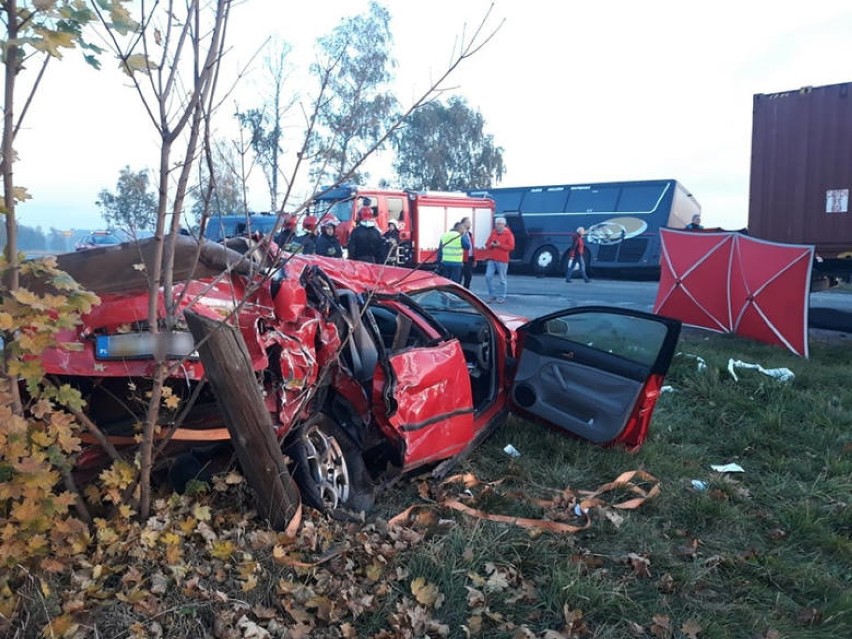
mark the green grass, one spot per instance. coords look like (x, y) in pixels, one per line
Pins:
(759, 555)
(767, 550)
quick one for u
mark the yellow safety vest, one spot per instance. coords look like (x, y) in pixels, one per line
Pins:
(451, 248)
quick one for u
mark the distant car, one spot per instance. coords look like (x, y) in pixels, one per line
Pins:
(100, 238)
(362, 366)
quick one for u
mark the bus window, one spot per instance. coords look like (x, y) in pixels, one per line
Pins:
(641, 199)
(544, 200)
(592, 199)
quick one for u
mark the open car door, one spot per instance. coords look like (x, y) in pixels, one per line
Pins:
(594, 372)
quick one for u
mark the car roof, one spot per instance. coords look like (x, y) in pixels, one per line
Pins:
(361, 277)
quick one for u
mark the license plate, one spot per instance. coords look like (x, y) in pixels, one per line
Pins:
(145, 346)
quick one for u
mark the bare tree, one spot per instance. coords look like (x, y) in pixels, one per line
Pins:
(173, 61)
(356, 66)
(265, 123)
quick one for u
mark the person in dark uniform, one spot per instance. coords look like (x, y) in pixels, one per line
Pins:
(391, 238)
(327, 243)
(366, 244)
(287, 233)
(307, 242)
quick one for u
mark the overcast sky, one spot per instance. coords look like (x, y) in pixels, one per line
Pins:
(574, 92)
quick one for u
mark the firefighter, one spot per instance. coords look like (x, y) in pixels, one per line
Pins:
(365, 241)
(288, 231)
(391, 238)
(327, 243)
(306, 243)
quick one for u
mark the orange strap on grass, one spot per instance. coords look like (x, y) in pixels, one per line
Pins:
(566, 497)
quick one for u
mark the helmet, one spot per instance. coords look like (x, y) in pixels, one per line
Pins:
(330, 220)
(366, 213)
(309, 223)
(289, 221)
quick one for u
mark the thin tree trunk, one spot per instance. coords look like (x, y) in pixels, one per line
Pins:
(7, 162)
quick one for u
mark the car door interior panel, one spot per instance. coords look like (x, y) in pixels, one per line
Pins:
(596, 403)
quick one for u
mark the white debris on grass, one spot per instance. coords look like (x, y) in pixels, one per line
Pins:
(781, 374)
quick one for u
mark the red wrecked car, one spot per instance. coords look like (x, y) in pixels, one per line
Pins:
(362, 366)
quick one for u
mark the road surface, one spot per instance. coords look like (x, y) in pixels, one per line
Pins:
(535, 296)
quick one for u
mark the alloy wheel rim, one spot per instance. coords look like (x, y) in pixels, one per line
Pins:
(328, 468)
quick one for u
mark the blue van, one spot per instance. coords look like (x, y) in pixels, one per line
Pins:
(221, 226)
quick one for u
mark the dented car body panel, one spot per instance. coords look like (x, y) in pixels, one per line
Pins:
(412, 367)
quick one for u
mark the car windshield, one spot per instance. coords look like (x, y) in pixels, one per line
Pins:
(104, 239)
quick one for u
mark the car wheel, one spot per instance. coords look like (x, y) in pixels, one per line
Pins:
(545, 260)
(329, 467)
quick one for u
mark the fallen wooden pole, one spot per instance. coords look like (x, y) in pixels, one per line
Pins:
(228, 369)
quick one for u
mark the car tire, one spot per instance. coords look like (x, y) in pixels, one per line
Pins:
(545, 261)
(329, 467)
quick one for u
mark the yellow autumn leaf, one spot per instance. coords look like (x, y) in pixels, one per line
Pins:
(67, 441)
(137, 62)
(41, 438)
(187, 525)
(26, 512)
(170, 538)
(222, 549)
(26, 297)
(20, 194)
(249, 584)
(51, 41)
(425, 593)
(60, 626)
(174, 554)
(172, 402)
(375, 570)
(201, 513)
(7, 322)
(121, 20)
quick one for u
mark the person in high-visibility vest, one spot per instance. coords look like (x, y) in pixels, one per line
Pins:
(451, 252)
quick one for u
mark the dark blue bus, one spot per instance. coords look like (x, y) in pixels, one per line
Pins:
(622, 220)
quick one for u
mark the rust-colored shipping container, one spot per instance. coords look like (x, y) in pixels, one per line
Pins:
(801, 168)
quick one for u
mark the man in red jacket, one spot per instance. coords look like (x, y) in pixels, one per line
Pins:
(500, 244)
(577, 255)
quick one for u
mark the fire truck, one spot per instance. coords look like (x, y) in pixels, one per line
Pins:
(422, 217)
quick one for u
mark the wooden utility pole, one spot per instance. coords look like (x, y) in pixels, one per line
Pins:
(228, 367)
